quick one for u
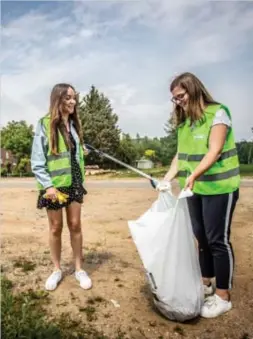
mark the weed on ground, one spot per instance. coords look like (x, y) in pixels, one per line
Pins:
(24, 316)
(24, 264)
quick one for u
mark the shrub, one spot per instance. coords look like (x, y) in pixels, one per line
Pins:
(3, 172)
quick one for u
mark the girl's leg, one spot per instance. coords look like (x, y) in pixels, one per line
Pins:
(55, 230)
(74, 224)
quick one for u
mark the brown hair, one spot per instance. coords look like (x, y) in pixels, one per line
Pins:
(199, 98)
(57, 125)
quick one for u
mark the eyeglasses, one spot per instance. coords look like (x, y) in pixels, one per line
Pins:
(178, 97)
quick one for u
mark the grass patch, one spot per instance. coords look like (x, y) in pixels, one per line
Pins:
(245, 336)
(246, 170)
(25, 265)
(6, 284)
(91, 301)
(120, 334)
(3, 269)
(124, 263)
(179, 330)
(99, 299)
(152, 323)
(90, 312)
(94, 300)
(155, 172)
(97, 257)
(23, 315)
(72, 296)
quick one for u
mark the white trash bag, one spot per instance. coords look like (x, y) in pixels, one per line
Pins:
(165, 242)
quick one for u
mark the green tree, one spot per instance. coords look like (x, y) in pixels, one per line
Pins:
(23, 165)
(169, 143)
(138, 138)
(138, 145)
(245, 151)
(17, 137)
(150, 153)
(144, 144)
(99, 124)
(127, 151)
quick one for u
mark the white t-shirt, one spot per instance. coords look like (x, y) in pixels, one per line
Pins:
(221, 117)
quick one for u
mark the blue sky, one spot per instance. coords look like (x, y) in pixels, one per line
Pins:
(130, 50)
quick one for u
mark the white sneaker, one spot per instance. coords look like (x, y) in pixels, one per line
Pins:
(84, 279)
(208, 290)
(53, 280)
(215, 306)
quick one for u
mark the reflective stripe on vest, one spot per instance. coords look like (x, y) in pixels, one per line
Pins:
(53, 157)
(213, 177)
(199, 157)
(62, 171)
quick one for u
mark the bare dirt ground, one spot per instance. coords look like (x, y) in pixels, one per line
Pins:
(113, 263)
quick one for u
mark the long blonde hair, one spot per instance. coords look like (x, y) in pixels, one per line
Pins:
(57, 125)
(199, 98)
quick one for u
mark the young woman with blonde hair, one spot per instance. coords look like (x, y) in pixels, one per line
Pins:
(207, 163)
(57, 162)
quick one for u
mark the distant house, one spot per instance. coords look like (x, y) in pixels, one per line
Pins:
(145, 164)
(7, 159)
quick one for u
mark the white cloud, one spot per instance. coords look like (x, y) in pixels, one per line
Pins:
(129, 50)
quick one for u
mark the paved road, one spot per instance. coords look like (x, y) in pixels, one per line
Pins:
(90, 184)
(19, 183)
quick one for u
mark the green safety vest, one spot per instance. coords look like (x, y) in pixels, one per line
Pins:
(59, 166)
(224, 175)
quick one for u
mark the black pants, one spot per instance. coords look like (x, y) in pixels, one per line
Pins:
(211, 218)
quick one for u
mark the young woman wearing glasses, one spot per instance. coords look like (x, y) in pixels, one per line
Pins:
(207, 163)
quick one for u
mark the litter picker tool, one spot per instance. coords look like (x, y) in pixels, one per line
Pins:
(153, 181)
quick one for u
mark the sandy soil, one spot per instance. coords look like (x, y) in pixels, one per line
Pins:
(112, 261)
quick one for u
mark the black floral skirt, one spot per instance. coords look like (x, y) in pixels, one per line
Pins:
(75, 193)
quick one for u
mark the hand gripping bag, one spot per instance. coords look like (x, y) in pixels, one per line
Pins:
(165, 242)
